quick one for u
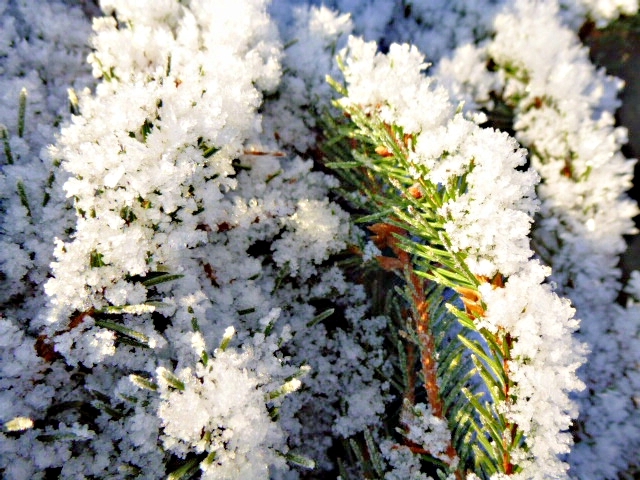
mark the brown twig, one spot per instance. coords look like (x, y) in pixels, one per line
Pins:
(384, 238)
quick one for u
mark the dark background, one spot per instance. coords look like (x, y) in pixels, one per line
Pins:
(617, 48)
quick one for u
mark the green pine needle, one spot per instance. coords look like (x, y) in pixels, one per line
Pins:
(23, 197)
(22, 110)
(4, 133)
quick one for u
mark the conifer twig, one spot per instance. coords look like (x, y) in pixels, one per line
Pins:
(433, 190)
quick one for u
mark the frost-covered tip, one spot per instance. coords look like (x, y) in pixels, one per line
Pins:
(288, 387)
(229, 332)
(18, 424)
(392, 85)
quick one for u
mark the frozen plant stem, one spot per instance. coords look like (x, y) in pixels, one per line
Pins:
(428, 356)
(425, 179)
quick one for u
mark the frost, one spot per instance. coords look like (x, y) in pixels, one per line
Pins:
(317, 227)
(42, 53)
(395, 83)
(584, 210)
(602, 11)
(18, 424)
(428, 431)
(313, 34)
(203, 417)
(404, 465)
(487, 220)
(161, 219)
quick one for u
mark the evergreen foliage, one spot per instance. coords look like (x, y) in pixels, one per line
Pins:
(240, 241)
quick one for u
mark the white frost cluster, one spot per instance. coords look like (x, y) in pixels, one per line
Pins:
(140, 183)
(222, 411)
(492, 219)
(404, 464)
(574, 147)
(312, 36)
(393, 86)
(600, 11)
(315, 229)
(425, 429)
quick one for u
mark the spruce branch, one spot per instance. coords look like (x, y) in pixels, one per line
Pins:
(425, 208)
